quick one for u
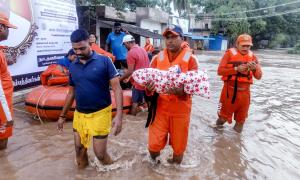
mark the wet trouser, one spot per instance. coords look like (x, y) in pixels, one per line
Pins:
(7, 132)
(240, 106)
(177, 127)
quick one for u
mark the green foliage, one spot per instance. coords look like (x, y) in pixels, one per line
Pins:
(296, 49)
(279, 40)
(279, 31)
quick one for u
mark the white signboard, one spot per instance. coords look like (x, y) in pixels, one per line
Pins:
(42, 36)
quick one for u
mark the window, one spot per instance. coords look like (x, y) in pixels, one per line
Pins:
(206, 25)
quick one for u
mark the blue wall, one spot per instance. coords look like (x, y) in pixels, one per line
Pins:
(216, 44)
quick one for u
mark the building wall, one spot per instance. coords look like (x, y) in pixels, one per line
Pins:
(183, 23)
(202, 33)
(202, 24)
(151, 13)
(152, 26)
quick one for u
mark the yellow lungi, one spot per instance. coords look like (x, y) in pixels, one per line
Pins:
(92, 124)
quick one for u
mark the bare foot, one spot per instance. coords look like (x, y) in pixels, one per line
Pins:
(170, 160)
(107, 160)
(154, 157)
(82, 159)
(238, 127)
(3, 143)
(175, 159)
(220, 122)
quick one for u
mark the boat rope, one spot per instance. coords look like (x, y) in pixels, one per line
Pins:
(37, 104)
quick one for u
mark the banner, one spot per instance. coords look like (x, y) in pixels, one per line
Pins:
(42, 36)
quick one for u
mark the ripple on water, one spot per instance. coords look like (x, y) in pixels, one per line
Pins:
(275, 102)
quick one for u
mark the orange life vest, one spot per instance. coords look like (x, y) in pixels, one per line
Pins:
(172, 102)
(55, 75)
(148, 46)
(236, 59)
(101, 51)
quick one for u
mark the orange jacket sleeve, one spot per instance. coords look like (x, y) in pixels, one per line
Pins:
(258, 73)
(3, 98)
(153, 63)
(99, 50)
(193, 63)
(222, 69)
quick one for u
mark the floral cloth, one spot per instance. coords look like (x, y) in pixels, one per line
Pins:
(195, 83)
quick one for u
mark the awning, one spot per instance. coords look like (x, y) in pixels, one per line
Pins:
(134, 29)
(195, 37)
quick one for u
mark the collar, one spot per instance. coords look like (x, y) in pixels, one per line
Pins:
(172, 56)
(118, 34)
(3, 47)
(135, 46)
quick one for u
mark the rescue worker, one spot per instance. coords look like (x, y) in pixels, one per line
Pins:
(172, 114)
(99, 50)
(6, 87)
(149, 48)
(238, 67)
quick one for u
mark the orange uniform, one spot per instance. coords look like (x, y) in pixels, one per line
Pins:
(55, 75)
(6, 96)
(148, 46)
(235, 95)
(173, 112)
(99, 50)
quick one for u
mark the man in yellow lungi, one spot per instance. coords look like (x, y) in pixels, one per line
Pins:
(91, 75)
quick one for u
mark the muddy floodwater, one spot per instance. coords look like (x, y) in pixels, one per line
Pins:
(268, 148)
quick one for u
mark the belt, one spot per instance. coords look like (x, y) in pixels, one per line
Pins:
(239, 88)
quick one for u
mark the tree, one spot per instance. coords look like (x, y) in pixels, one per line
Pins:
(279, 29)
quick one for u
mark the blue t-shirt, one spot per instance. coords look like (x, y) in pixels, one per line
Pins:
(91, 82)
(116, 43)
(64, 62)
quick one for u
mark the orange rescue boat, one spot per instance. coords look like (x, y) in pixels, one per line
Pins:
(47, 102)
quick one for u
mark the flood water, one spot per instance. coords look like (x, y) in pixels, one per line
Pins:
(268, 148)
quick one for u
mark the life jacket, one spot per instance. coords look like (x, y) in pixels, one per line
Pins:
(55, 75)
(101, 51)
(182, 60)
(168, 102)
(236, 59)
(148, 46)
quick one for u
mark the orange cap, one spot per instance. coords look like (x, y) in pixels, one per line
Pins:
(244, 39)
(173, 29)
(4, 20)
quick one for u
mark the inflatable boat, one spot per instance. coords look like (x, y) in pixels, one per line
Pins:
(47, 102)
